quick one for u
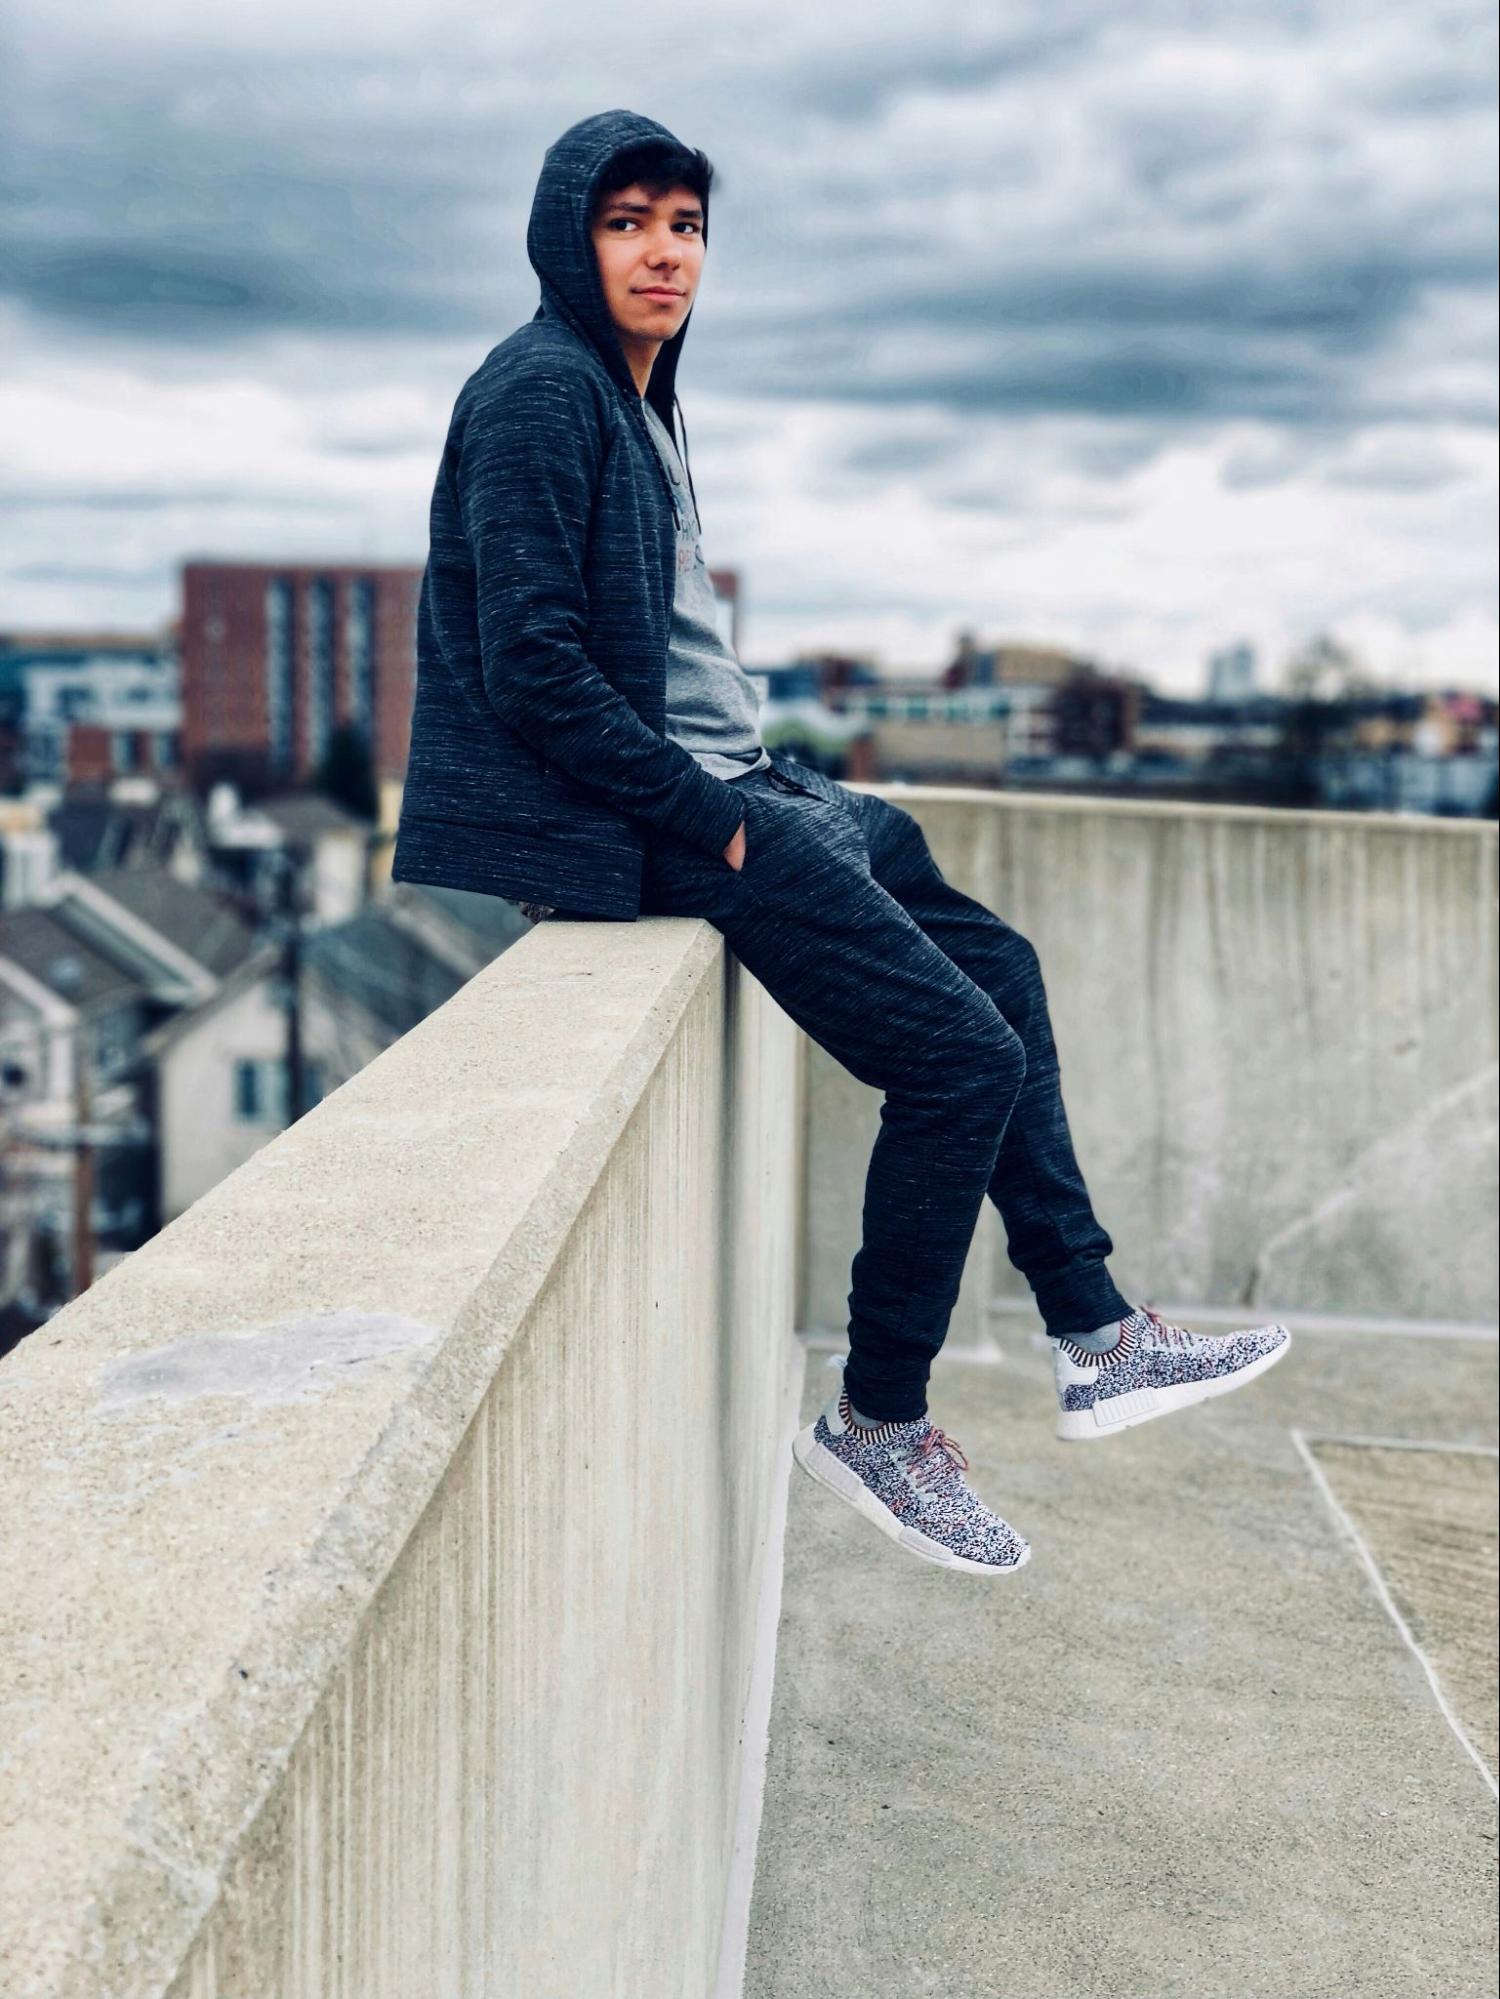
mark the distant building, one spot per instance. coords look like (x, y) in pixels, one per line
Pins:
(1231, 673)
(726, 589)
(275, 656)
(922, 731)
(222, 1088)
(1194, 732)
(93, 826)
(1095, 715)
(995, 711)
(85, 975)
(328, 846)
(88, 707)
(1011, 665)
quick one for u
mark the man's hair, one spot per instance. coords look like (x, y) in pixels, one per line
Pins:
(658, 166)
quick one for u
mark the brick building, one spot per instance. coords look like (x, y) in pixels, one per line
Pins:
(275, 656)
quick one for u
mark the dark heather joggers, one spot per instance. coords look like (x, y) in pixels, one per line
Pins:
(843, 916)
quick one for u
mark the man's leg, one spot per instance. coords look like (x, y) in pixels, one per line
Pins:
(843, 958)
(1139, 1367)
(1053, 1236)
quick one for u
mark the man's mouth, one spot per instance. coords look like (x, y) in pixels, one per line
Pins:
(657, 291)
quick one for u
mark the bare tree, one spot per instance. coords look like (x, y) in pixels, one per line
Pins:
(1323, 681)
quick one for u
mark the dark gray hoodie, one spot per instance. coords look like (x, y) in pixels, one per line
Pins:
(538, 748)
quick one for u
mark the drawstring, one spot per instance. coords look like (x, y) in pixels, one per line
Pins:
(686, 464)
(678, 516)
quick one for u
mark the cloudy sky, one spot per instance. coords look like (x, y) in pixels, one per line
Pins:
(1142, 328)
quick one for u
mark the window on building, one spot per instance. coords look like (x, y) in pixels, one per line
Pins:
(319, 656)
(247, 1092)
(260, 1089)
(279, 671)
(359, 651)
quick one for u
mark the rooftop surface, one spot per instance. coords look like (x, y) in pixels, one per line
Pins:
(1192, 1751)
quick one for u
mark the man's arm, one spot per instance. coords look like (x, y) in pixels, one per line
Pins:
(526, 471)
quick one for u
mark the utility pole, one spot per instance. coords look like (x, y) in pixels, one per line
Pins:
(83, 1164)
(11, 1216)
(67, 977)
(289, 924)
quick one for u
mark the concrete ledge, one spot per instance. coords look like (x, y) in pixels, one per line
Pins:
(383, 1540)
(1278, 1042)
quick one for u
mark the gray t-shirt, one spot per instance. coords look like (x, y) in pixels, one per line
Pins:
(712, 710)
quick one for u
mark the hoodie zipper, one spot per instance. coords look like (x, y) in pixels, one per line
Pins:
(784, 783)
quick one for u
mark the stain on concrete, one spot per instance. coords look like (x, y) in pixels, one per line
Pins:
(287, 1360)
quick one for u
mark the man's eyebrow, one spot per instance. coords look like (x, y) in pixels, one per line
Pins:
(644, 208)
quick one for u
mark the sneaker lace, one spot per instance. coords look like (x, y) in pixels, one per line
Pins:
(935, 1457)
(1168, 1335)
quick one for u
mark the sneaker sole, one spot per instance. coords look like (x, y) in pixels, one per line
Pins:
(1144, 1405)
(820, 1463)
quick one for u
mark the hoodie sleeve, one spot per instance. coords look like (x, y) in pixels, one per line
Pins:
(527, 466)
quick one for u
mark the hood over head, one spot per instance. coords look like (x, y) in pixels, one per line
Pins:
(562, 251)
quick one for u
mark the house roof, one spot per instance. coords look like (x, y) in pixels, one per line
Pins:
(368, 960)
(490, 921)
(383, 967)
(94, 830)
(42, 945)
(302, 815)
(201, 923)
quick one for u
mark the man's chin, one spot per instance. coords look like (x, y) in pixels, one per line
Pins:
(653, 326)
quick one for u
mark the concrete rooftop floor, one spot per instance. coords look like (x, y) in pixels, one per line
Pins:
(1187, 1751)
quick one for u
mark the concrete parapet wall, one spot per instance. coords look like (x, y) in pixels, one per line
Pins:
(384, 1540)
(1278, 1043)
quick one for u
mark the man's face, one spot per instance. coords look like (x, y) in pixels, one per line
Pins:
(650, 252)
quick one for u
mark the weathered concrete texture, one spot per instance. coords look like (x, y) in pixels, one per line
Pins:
(1185, 1754)
(1278, 1044)
(1429, 1520)
(383, 1540)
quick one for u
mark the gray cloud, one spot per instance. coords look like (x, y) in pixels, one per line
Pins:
(1133, 229)
(1229, 257)
(108, 574)
(20, 499)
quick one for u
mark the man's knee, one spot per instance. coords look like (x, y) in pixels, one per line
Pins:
(993, 1060)
(1008, 1067)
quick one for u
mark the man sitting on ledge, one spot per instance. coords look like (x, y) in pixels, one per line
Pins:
(585, 744)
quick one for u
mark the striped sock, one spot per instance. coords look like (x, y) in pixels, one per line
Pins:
(1103, 1340)
(879, 1428)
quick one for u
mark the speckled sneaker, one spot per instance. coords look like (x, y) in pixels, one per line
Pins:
(1155, 1370)
(908, 1478)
